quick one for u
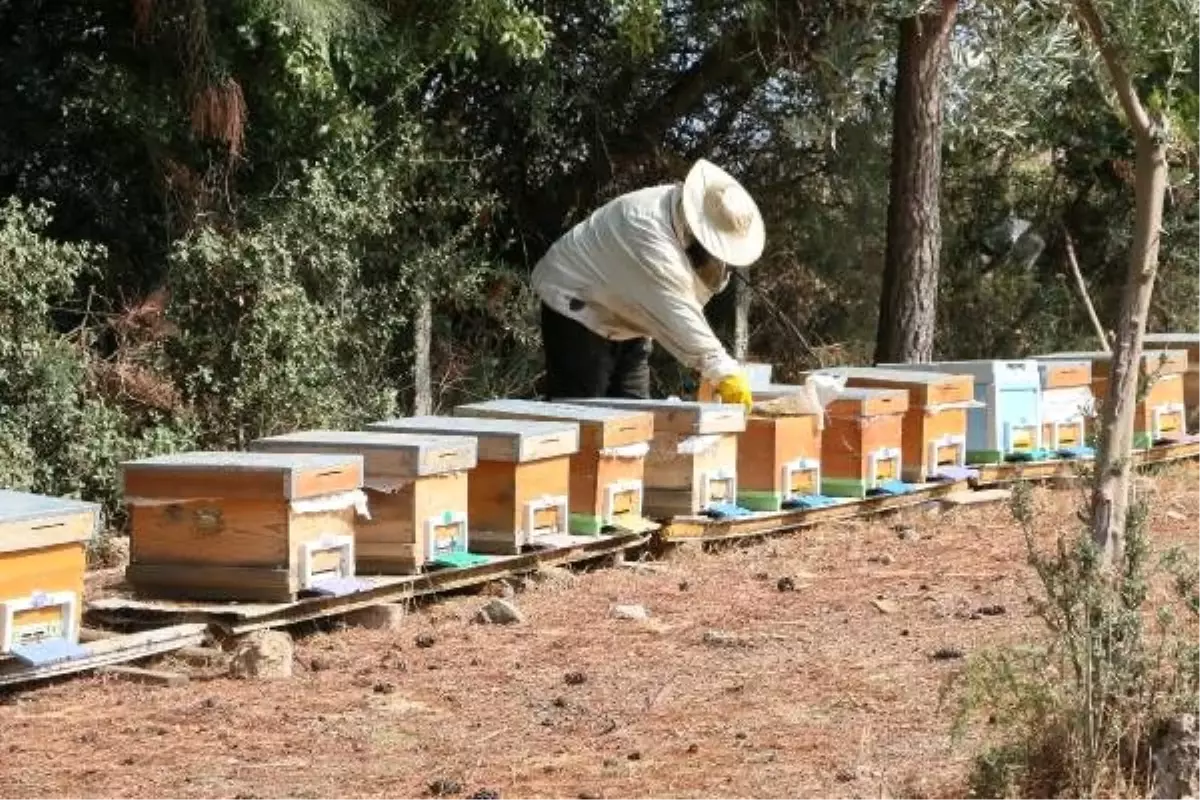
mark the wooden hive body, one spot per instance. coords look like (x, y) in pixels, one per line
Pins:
(861, 443)
(416, 487)
(518, 492)
(1008, 419)
(935, 425)
(1191, 378)
(1161, 413)
(693, 457)
(779, 458)
(241, 526)
(1067, 402)
(43, 543)
(607, 473)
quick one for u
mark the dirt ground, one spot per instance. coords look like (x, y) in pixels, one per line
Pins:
(814, 692)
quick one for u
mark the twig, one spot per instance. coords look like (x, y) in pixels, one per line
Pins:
(1083, 293)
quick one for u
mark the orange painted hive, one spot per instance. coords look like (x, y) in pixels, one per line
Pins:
(242, 526)
(779, 459)
(517, 496)
(607, 474)
(935, 424)
(1191, 379)
(43, 544)
(416, 488)
(693, 458)
(861, 446)
(1160, 415)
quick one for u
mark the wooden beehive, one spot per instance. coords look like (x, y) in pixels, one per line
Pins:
(1007, 424)
(692, 463)
(43, 542)
(1191, 379)
(935, 425)
(607, 474)
(1067, 403)
(416, 487)
(242, 526)
(1160, 414)
(861, 443)
(518, 493)
(779, 459)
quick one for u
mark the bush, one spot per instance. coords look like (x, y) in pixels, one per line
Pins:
(1076, 711)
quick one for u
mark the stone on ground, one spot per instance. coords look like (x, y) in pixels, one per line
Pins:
(499, 612)
(263, 654)
(630, 612)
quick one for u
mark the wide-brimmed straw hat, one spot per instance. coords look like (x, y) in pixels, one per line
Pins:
(722, 215)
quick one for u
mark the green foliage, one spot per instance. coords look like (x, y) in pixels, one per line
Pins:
(1075, 711)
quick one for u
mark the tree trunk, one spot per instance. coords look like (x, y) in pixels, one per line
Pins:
(1110, 497)
(908, 300)
(1110, 492)
(422, 344)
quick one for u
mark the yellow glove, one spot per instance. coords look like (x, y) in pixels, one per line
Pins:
(735, 389)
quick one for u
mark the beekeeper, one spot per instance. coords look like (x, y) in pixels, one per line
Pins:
(641, 269)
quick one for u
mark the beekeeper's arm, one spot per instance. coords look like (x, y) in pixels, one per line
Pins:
(662, 301)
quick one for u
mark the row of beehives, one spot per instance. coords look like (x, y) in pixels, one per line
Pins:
(306, 511)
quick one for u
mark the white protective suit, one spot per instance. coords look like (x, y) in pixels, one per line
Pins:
(626, 263)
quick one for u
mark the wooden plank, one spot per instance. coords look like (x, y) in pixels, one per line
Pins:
(114, 650)
(151, 677)
(387, 457)
(511, 440)
(237, 618)
(213, 581)
(704, 529)
(971, 497)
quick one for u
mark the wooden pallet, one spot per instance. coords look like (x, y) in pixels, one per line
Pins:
(116, 649)
(239, 618)
(703, 529)
(993, 474)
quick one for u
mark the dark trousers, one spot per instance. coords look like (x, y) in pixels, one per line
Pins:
(582, 364)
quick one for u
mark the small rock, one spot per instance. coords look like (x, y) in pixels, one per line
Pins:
(559, 702)
(907, 533)
(499, 612)
(904, 632)
(426, 640)
(486, 794)
(684, 586)
(319, 663)
(263, 654)
(924, 587)
(885, 606)
(995, 610)
(739, 736)
(384, 688)
(1175, 515)
(634, 756)
(443, 788)
(575, 678)
(786, 584)
(386, 617)
(947, 654)
(844, 775)
(693, 749)
(630, 612)
(724, 639)
(761, 576)
(882, 558)
(554, 576)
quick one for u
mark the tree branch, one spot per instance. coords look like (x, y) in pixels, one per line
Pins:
(1083, 293)
(1093, 25)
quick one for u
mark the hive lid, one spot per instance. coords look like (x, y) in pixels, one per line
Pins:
(1065, 374)
(237, 474)
(927, 388)
(868, 402)
(1164, 362)
(386, 456)
(1015, 373)
(513, 440)
(34, 520)
(679, 416)
(614, 427)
